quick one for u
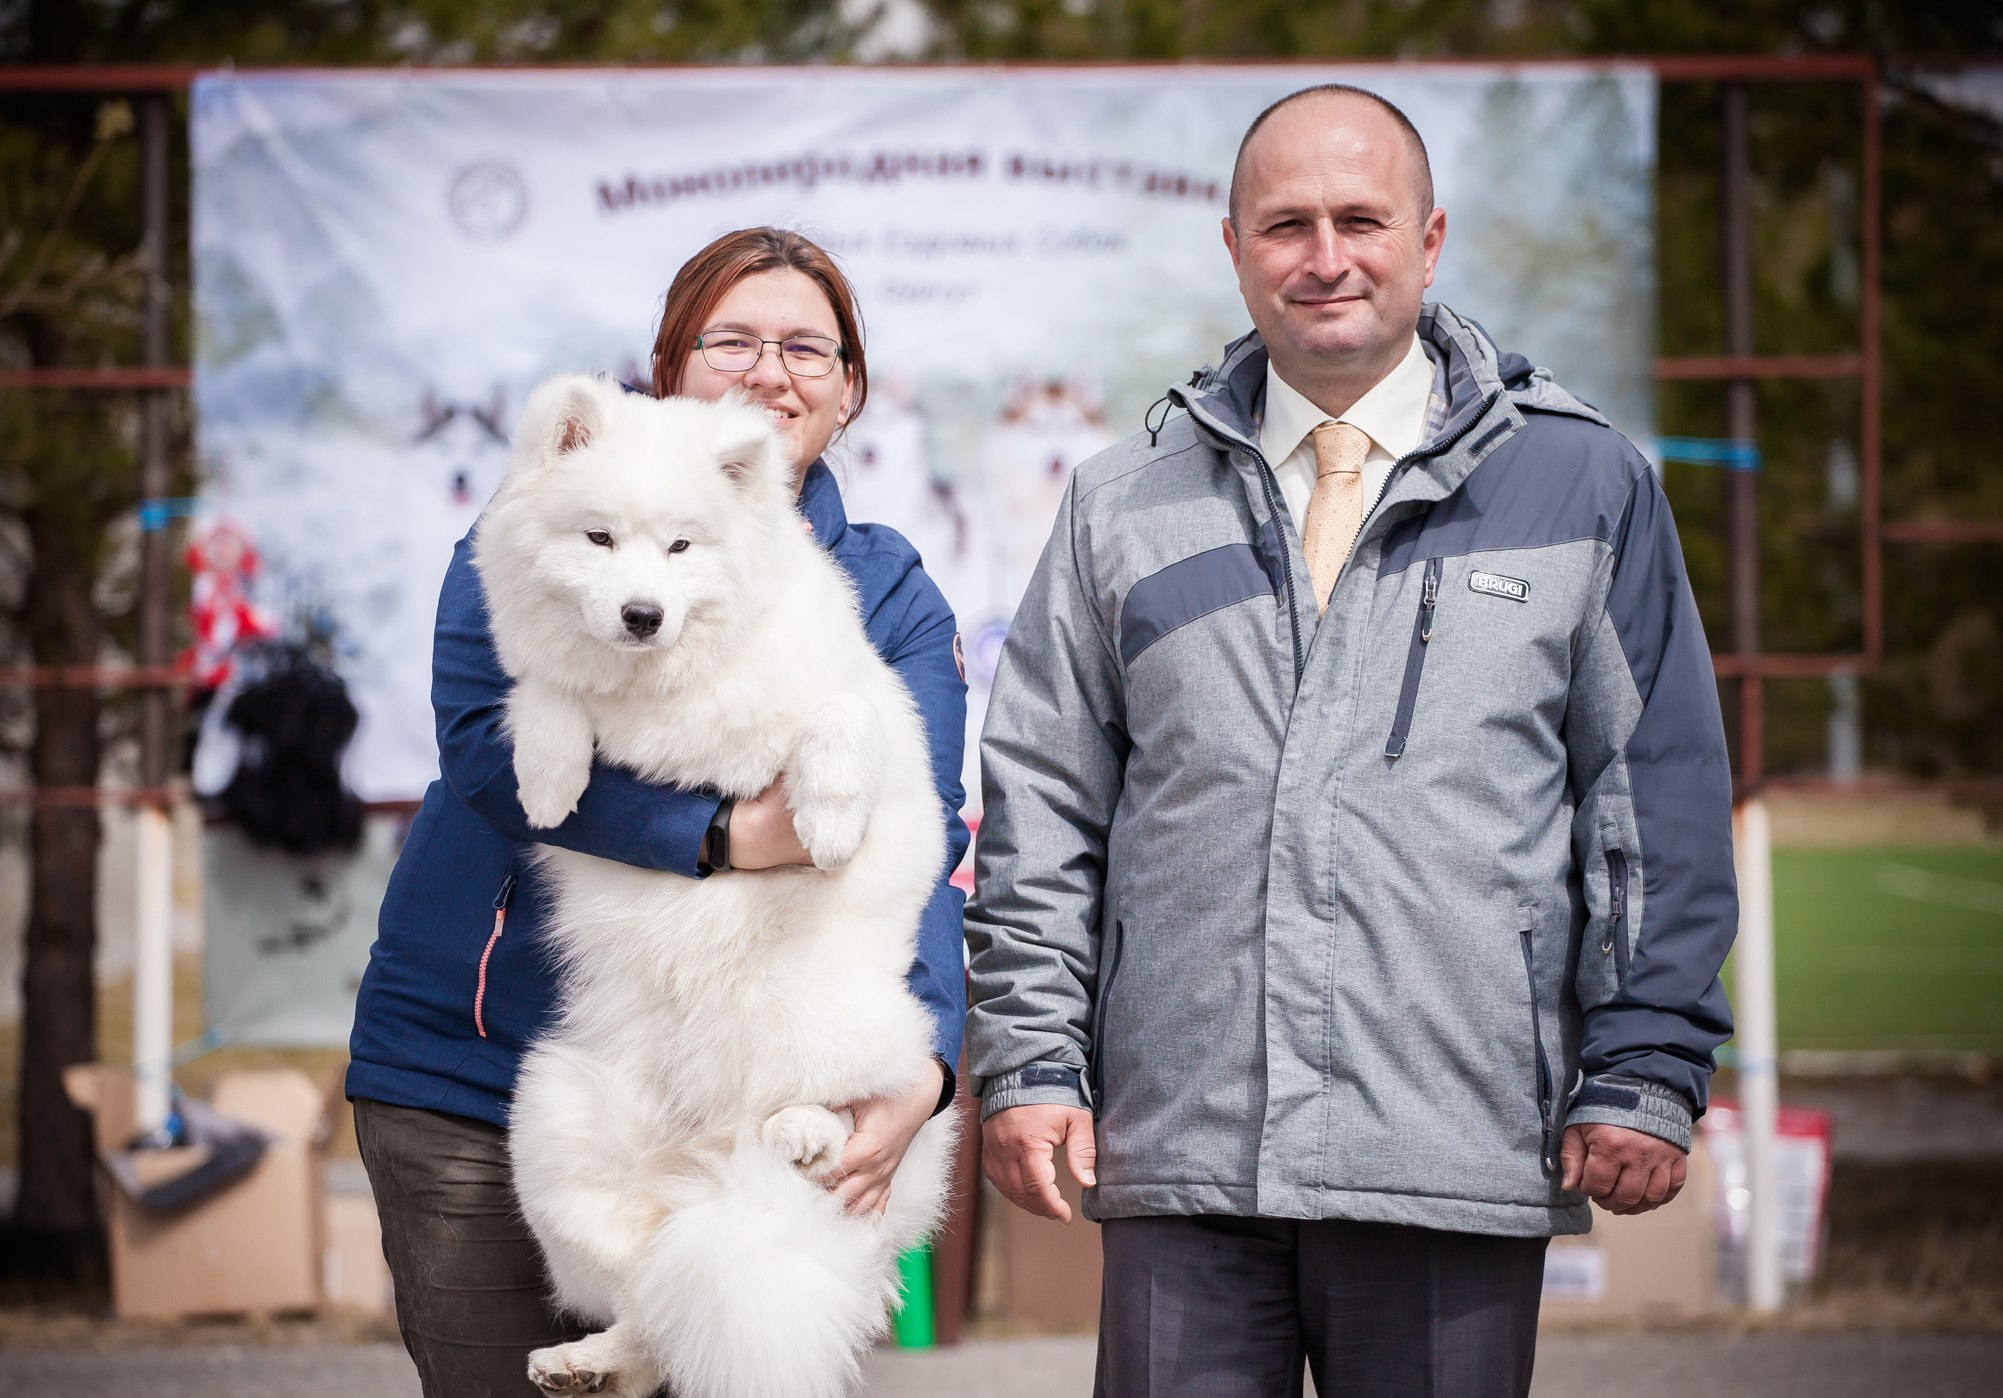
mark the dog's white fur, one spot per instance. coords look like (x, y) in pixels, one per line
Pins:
(673, 1134)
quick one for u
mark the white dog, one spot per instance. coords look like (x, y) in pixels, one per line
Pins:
(656, 600)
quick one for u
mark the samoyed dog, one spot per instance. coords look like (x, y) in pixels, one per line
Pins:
(659, 605)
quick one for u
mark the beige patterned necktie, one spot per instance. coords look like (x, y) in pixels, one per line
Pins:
(1335, 508)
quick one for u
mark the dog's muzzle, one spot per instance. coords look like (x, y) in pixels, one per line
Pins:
(642, 619)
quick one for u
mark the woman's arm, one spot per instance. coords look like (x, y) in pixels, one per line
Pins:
(925, 657)
(620, 817)
(927, 662)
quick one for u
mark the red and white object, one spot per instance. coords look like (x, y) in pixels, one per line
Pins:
(1802, 1158)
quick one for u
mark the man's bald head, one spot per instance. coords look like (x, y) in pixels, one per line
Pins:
(1422, 167)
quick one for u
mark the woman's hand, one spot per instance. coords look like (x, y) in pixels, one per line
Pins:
(762, 834)
(884, 1129)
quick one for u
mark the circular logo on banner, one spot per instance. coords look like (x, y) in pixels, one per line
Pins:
(983, 655)
(488, 200)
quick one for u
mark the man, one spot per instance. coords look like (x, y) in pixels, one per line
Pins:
(1356, 844)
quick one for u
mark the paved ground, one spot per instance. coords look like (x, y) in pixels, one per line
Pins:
(1569, 1366)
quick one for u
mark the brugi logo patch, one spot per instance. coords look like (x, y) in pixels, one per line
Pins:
(1495, 585)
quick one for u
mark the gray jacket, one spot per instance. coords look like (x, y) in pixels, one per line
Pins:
(1349, 916)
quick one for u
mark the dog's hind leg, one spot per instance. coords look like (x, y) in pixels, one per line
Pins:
(832, 779)
(577, 1183)
(613, 1362)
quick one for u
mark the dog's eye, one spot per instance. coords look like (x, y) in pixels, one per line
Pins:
(678, 545)
(599, 537)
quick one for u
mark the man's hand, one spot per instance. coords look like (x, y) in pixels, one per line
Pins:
(1623, 1171)
(884, 1130)
(1018, 1154)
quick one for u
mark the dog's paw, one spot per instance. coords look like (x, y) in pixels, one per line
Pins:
(559, 1369)
(549, 791)
(808, 1138)
(612, 1362)
(832, 831)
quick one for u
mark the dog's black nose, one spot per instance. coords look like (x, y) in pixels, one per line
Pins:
(642, 619)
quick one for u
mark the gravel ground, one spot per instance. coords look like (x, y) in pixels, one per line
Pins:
(1569, 1366)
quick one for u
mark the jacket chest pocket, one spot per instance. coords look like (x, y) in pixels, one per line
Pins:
(1415, 659)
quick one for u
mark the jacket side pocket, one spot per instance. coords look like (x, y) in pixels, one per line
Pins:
(1102, 996)
(501, 901)
(1547, 1107)
(1615, 943)
(1415, 658)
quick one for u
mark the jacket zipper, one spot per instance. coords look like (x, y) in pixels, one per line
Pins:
(1415, 659)
(1273, 508)
(1439, 448)
(1100, 1001)
(1546, 1108)
(1616, 942)
(501, 901)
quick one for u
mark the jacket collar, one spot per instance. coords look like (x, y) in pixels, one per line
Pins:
(821, 505)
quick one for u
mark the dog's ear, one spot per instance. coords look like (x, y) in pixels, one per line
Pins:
(746, 446)
(562, 416)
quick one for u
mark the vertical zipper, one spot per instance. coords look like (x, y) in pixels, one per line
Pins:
(1273, 510)
(1616, 940)
(1099, 1002)
(1415, 659)
(1546, 1108)
(501, 901)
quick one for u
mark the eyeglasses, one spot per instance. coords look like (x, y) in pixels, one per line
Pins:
(734, 351)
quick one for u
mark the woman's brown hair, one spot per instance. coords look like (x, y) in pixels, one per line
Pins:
(707, 277)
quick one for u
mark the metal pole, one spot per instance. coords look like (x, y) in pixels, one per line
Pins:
(1753, 960)
(153, 953)
(1741, 424)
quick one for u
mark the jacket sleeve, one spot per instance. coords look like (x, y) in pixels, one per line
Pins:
(924, 657)
(620, 817)
(1652, 835)
(1053, 761)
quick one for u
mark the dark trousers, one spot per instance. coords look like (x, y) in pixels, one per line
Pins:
(471, 1297)
(1215, 1307)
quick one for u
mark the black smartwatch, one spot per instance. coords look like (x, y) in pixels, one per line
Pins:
(946, 1088)
(716, 840)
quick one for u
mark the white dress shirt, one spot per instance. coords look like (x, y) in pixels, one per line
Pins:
(1392, 415)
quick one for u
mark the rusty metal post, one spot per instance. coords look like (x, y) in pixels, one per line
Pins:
(1871, 502)
(153, 947)
(1742, 522)
(153, 468)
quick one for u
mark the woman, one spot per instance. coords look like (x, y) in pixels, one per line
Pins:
(457, 983)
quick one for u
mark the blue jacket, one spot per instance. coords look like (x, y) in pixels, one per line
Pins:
(458, 982)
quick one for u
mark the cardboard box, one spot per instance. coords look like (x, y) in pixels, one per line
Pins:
(1653, 1266)
(253, 1246)
(1049, 1271)
(355, 1277)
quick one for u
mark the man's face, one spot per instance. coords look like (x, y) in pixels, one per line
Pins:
(1333, 253)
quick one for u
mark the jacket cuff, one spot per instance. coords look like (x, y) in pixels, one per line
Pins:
(1035, 1085)
(1639, 1105)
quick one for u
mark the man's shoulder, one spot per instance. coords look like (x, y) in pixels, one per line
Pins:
(1579, 451)
(1139, 461)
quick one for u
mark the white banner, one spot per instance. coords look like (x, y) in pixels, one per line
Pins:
(384, 264)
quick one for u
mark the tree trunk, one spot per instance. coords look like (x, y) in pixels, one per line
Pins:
(57, 1205)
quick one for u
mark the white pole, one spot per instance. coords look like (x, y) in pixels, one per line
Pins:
(1758, 1050)
(153, 971)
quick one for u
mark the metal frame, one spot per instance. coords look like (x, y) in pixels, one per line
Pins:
(1739, 368)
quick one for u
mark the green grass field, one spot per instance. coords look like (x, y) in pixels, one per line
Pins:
(1890, 947)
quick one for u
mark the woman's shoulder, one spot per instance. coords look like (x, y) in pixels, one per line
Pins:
(898, 595)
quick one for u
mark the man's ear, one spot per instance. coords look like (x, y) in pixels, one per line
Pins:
(563, 416)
